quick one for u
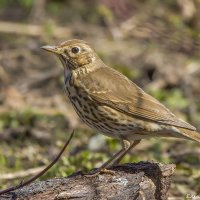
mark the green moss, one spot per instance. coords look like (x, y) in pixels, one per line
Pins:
(176, 20)
(30, 118)
(130, 73)
(197, 185)
(3, 162)
(173, 98)
(3, 3)
(176, 99)
(49, 28)
(113, 144)
(54, 7)
(105, 12)
(26, 3)
(83, 161)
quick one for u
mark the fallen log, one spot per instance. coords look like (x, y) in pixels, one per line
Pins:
(143, 180)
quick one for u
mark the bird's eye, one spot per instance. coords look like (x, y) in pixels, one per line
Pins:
(75, 50)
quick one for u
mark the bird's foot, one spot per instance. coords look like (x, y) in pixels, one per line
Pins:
(108, 171)
(98, 171)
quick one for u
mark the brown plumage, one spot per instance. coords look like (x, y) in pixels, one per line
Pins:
(109, 102)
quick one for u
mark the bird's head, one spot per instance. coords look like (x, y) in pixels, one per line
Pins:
(73, 53)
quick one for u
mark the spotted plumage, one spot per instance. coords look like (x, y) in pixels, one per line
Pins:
(109, 102)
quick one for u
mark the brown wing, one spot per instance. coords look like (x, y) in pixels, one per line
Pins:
(111, 88)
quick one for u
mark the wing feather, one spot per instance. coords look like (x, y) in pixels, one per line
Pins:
(113, 89)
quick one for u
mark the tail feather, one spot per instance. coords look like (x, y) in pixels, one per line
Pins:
(190, 134)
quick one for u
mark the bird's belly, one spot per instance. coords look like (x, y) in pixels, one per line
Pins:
(105, 119)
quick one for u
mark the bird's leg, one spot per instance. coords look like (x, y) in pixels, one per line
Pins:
(102, 168)
(126, 146)
(136, 142)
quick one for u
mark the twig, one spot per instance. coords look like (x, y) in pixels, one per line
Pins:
(21, 174)
(22, 184)
(32, 30)
(47, 30)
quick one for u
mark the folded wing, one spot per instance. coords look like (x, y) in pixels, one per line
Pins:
(115, 90)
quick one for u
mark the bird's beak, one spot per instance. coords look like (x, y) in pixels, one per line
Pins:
(53, 49)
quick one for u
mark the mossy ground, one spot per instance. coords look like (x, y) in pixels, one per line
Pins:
(159, 52)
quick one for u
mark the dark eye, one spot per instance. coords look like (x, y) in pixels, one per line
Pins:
(75, 50)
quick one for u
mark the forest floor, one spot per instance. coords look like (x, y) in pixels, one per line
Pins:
(158, 51)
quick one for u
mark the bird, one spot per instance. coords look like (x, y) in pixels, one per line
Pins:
(112, 104)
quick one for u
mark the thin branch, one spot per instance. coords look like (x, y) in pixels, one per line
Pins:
(21, 174)
(32, 30)
(22, 184)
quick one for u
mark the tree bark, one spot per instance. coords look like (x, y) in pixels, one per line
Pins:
(139, 181)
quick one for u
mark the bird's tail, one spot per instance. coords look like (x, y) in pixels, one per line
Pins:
(190, 134)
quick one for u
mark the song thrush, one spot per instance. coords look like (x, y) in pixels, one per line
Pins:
(112, 104)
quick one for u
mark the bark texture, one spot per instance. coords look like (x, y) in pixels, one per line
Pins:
(139, 181)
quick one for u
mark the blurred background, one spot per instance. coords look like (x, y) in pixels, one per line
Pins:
(156, 43)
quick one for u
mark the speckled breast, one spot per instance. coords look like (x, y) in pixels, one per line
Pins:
(100, 117)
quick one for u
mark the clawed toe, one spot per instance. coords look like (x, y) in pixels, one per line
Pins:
(92, 173)
(108, 171)
(98, 171)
